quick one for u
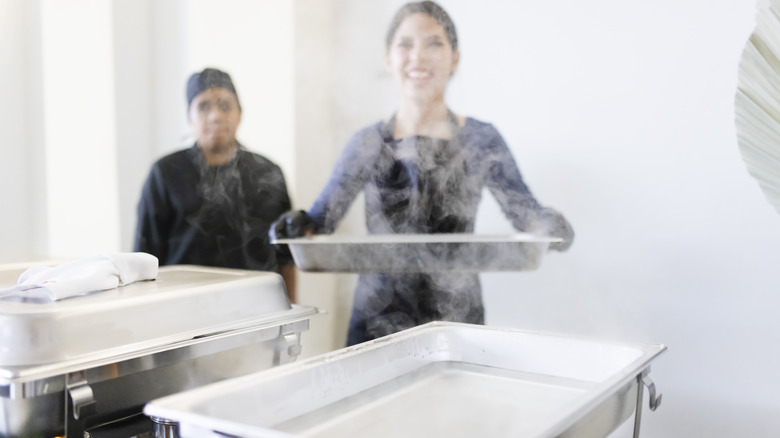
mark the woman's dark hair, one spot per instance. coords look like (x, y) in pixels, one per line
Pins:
(426, 7)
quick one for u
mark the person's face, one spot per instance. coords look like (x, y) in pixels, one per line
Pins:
(420, 57)
(214, 116)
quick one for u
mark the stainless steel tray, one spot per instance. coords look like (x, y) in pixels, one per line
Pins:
(82, 363)
(440, 379)
(184, 302)
(418, 252)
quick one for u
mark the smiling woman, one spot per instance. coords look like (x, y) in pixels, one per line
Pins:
(422, 55)
(422, 170)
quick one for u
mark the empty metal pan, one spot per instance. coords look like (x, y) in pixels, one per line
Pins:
(438, 379)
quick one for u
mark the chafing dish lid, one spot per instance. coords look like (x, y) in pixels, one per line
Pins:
(182, 303)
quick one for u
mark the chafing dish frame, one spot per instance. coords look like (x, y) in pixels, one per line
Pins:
(73, 391)
(618, 393)
(80, 391)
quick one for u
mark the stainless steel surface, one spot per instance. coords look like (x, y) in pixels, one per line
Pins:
(80, 393)
(135, 426)
(653, 401)
(122, 387)
(440, 379)
(419, 252)
(165, 429)
(184, 301)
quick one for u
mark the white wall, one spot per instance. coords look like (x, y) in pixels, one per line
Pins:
(79, 125)
(624, 120)
(59, 169)
(15, 189)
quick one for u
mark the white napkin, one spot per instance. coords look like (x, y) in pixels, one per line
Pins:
(99, 272)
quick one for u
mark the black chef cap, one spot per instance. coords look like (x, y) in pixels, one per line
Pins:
(208, 78)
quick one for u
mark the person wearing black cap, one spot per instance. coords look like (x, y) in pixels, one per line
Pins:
(212, 204)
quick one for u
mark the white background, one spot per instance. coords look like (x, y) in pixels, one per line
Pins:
(620, 114)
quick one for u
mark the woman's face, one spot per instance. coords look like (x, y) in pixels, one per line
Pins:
(215, 115)
(420, 58)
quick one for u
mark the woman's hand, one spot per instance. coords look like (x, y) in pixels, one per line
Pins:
(557, 226)
(294, 223)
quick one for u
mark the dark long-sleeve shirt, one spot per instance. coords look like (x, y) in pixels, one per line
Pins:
(421, 185)
(192, 213)
(397, 177)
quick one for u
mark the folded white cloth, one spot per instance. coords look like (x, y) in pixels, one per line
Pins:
(99, 272)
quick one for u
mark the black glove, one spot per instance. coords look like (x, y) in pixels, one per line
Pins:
(291, 224)
(557, 226)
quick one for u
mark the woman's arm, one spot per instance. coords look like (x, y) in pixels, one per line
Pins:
(352, 170)
(506, 184)
(502, 177)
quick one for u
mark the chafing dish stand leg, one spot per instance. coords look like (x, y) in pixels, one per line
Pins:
(642, 381)
(165, 428)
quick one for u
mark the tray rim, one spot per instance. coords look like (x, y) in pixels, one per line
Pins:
(419, 253)
(416, 239)
(28, 373)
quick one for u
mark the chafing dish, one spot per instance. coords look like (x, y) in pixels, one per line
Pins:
(438, 379)
(74, 366)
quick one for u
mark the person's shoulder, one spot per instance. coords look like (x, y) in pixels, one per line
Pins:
(473, 124)
(370, 134)
(175, 159)
(256, 159)
(372, 130)
(261, 172)
(172, 169)
(480, 131)
(367, 138)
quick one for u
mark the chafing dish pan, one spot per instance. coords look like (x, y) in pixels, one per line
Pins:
(418, 252)
(439, 379)
(74, 365)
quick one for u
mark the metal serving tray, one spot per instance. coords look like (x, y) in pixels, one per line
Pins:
(408, 253)
(72, 366)
(184, 302)
(439, 379)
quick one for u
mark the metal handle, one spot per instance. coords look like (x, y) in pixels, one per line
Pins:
(642, 381)
(79, 401)
(83, 400)
(654, 401)
(290, 349)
